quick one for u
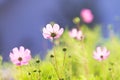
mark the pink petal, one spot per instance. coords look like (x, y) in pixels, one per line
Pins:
(46, 36)
(27, 58)
(104, 50)
(51, 38)
(24, 63)
(56, 27)
(96, 56)
(73, 33)
(80, 32)
(45, 31)
(15, 50)
(27, 51)
(99, 50)
(60, 32)
(16, 62)
(79, 35)
(56, 37)
(49, 28)
(11, 55)
(107, 54)
(22, 49)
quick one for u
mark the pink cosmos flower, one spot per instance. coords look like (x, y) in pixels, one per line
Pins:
(101, 53)
(77, 34)
(87, 15)
(52, 32)
(20, 56)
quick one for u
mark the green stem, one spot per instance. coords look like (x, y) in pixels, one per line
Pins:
(55, 69)
(78, 25)
(111, 73)
(64, 59)
(39, 76)
(85, 60)
(55, 59)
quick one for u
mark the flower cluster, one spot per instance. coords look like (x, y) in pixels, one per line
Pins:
(77, 34)
(22, 56)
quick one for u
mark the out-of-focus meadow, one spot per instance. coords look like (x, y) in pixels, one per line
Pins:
(72, 58)
(75, 42)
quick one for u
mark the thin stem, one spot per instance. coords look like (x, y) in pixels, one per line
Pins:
(55, 69)
(78, 25)
(64, 62)
(103, 67)
(112, 76)
(31, 74)
(85, 60)
(39, 76)
(70, 69)
(55, 59)
(64, 59)
(111, 73)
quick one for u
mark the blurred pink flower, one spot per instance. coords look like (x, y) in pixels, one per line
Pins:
(20, 56)
(77, 34)
(52, 32)
(101, 53)
(87, 15)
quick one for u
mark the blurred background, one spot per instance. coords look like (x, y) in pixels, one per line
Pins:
(21, 21)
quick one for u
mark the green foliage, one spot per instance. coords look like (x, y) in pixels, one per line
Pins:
(71, 59)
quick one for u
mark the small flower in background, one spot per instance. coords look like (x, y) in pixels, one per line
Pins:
(52, 32)
(101, 53)
(77, 34)
(87, 15)
(20, 56)
(76, 20)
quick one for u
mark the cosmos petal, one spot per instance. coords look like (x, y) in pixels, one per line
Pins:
(56, 28)
(49, 28)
